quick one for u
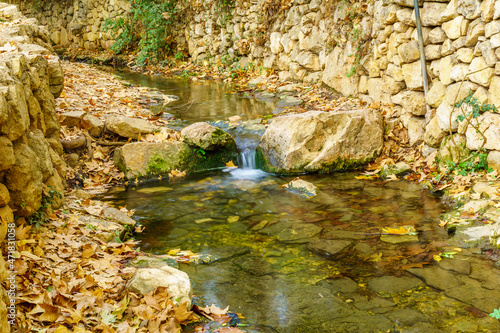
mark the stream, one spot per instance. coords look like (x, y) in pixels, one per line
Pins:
(291, 264)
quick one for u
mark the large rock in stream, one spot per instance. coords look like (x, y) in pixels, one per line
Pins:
(205, 147)
(317, 141)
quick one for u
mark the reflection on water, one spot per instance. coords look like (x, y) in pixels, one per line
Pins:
(295, 265)
(201, 100)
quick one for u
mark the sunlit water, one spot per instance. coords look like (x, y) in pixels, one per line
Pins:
(275, 258)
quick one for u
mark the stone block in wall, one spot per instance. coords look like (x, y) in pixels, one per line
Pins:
(432, 52)
(408, 3)
(481, 95)
(453, 28)
(433, 133)
(404, 15)
(395, 72)
(470, 9)
(437, 36)
(458, 91)
(425, 35)
(450, 12)
(412, 101)
(309, 61)
(363, 84)
(387, 14)
(400, 27)
(6, 217)
(334, 75)
(436, 94)
(487, 10)
(446, 64)
(487, 52)
(275, 39)
(4, 196)
(24, 181)
(491, 28)
(376, 92)
(283, 62)
(391, 86)
(416, 130)
(459, 43)
(458, 72)
(430, 14)
(413, 75)
(475, 30)
(288, 43)
(7, 152)
(489, 125)
(297, 72)
(409, 52)
(465, 54)
(37, 143)
(447, 117)
(494, 92)
(483, 73)
(447, 48)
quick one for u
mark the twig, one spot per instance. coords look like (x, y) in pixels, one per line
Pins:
(105, 143)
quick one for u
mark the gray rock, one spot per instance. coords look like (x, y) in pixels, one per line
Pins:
(330, 248)
(407, 317)
(129, 127)
(392, 284)
(207, 137)
(436, 277)
(118, 216)
(289, 101)
(298, 233)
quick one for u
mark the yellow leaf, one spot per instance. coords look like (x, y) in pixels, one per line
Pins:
(61, 329)
(230, 164)
(437, 257)
(404, 230)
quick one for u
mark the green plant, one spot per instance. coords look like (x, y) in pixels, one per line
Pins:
(200, 152)
(146, 26)
(475, 162)
(39, 217)
(495, 314)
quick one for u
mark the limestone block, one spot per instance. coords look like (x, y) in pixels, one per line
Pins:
(408, 3)
(430, 14)
(283, 62)
(450, 12)
(416, 130)
(495, 41)
(411, 101)
(437, 36)
(297, 72)
(413, 75)
(452, 28)
(459, 43)
(7, 152)
(488, 53)
(474, 32)
(447, 117)
(496, 12)
(409, 52)
(334, 75)
(4, 196)
(425, 35)
(483, 77)
(470, 9)
(489, 125)
(447, 48)
(376, 92)
(395, 72)
(494, 92)
(391, 86)
(37, 143)
(458, 72)
(433, 133)
(436, 94)
(24, 181)
(497, 65)
(465, 54)
(432, 52)
(276, 46)
(487, 10)
(309, 60)
(18, 120)
(129, 127)
(494, 160)
(481, 95)
(491, 28)
(387, 14)
(404, 16)
(454, 95)
(446, 65)
(363, 84)
(400, 27)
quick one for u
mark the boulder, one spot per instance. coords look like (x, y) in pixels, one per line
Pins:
(7, 152)
(72, 118)
(129, 127)
(140, 159)
(146, 280)
(4, 195)
(207, 137)
(398, 169)
(433, 133)
(118, 216)
(302, 188)
(317, 141)
(412, 101)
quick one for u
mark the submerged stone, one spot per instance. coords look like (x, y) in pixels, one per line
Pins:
(330, 248)
(298, 233)
(254, 265)
(436, 277)
(392, 284)
(398, 239)
(302, 188)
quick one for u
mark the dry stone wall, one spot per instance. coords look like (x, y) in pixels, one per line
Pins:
(366, 49)
(30, 78)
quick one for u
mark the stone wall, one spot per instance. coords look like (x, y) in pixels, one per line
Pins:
(366, 49)
(30, 78)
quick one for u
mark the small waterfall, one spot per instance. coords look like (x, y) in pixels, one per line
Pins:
(246, 159)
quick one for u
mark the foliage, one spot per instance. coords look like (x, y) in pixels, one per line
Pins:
(495, 314)
(49, 197)
(473, 108)
(146, 26)
(475, 162)
(200, 152)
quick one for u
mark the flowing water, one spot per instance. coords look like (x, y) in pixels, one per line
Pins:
(292, 264)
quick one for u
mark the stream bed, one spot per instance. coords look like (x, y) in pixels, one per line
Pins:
(291, 264)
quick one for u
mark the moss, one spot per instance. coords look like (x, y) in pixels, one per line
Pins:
(158, 164)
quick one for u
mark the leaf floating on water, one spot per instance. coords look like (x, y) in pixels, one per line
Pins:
(403, 230)
(204, 220)
(213, 309)
(230, 164)
(232, 219)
